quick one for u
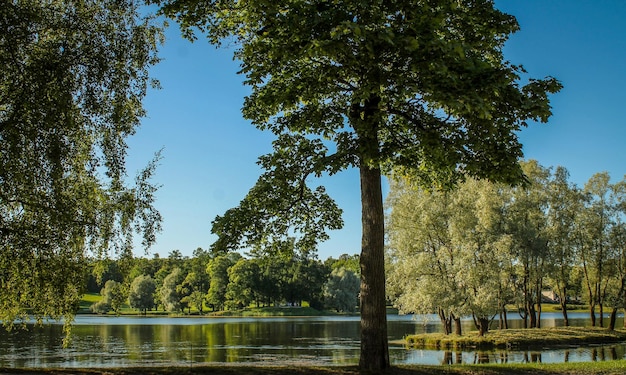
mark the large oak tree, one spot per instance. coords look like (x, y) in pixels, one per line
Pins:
(72, 77)
(412, 86)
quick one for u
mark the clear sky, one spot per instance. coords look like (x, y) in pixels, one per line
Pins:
(210, 151)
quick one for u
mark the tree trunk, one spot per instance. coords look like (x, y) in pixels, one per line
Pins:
(612, 319)
(524, 315)
(374, 345)
(624, 310)
(446, 321)
(482, 324)
(563, 303)
(530, 310)
(504, 320)
(457, 325)
(592, 314)
(601, 314)
(539, 295)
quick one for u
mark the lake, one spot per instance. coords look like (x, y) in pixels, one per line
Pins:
(152, 341)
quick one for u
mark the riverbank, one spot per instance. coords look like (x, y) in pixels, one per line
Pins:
(590, 368)
(553, 337)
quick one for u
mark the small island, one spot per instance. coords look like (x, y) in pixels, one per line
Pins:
(529, 338)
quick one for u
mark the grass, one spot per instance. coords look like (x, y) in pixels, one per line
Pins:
(518, 338)
(592, 368)
(88, 300)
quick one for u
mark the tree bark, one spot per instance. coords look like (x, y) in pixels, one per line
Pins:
(482, 324)
(457, 326)
(563, 303)
(612, 319)
(530, 309)
(504, 321)
(446, 321)
(374, 345)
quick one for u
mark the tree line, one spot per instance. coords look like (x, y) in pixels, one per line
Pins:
(218, 282)
(484, 247)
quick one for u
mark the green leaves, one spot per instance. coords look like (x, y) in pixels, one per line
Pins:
(281, 213)
(72, 77)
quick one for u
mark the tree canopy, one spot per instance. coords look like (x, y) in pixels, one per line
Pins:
(485, 246)
(72, 78)
(420, 87)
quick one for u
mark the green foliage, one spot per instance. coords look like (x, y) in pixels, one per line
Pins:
(169, 296)
(447, 250)
(141, 294)
(341, 290)
(72, 78)
(105, 270)
(263, 281)
(113, 297)
(392, 85)
(217, 269)
(484, 246)
(243, 283)
(349, 262)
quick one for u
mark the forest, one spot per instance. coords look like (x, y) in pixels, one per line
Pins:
(213, 283)
(487, 248)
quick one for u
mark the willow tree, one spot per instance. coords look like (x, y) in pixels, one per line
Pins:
(72, 77)
(419, 86)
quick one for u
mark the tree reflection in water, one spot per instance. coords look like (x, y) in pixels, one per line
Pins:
(125, 341)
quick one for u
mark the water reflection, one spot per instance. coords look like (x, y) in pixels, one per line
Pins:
(582, 354)
(125, 341)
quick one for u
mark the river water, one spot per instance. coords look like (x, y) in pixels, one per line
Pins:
(153, 341)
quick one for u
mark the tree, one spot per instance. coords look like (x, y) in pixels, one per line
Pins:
(113, 297)
(218, 274)
(527, 223)
(448, 252)
(308, 277)
(349, 262)
(417, 86)
(198, 263)
(243, 283)
(271, 279)
(168, 293)
(191, 291)
(564, 201)
(617, 288)
(594, 223)
(105, 270)
(341, 290)
(72, 78)
(141, 294)
(423, 266)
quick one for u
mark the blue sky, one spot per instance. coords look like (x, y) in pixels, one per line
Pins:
(210, 151)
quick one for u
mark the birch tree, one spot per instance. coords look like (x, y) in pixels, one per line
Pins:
(72, 78)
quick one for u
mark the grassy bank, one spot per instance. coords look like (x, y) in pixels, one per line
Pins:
(605, 368)
(518, 338)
